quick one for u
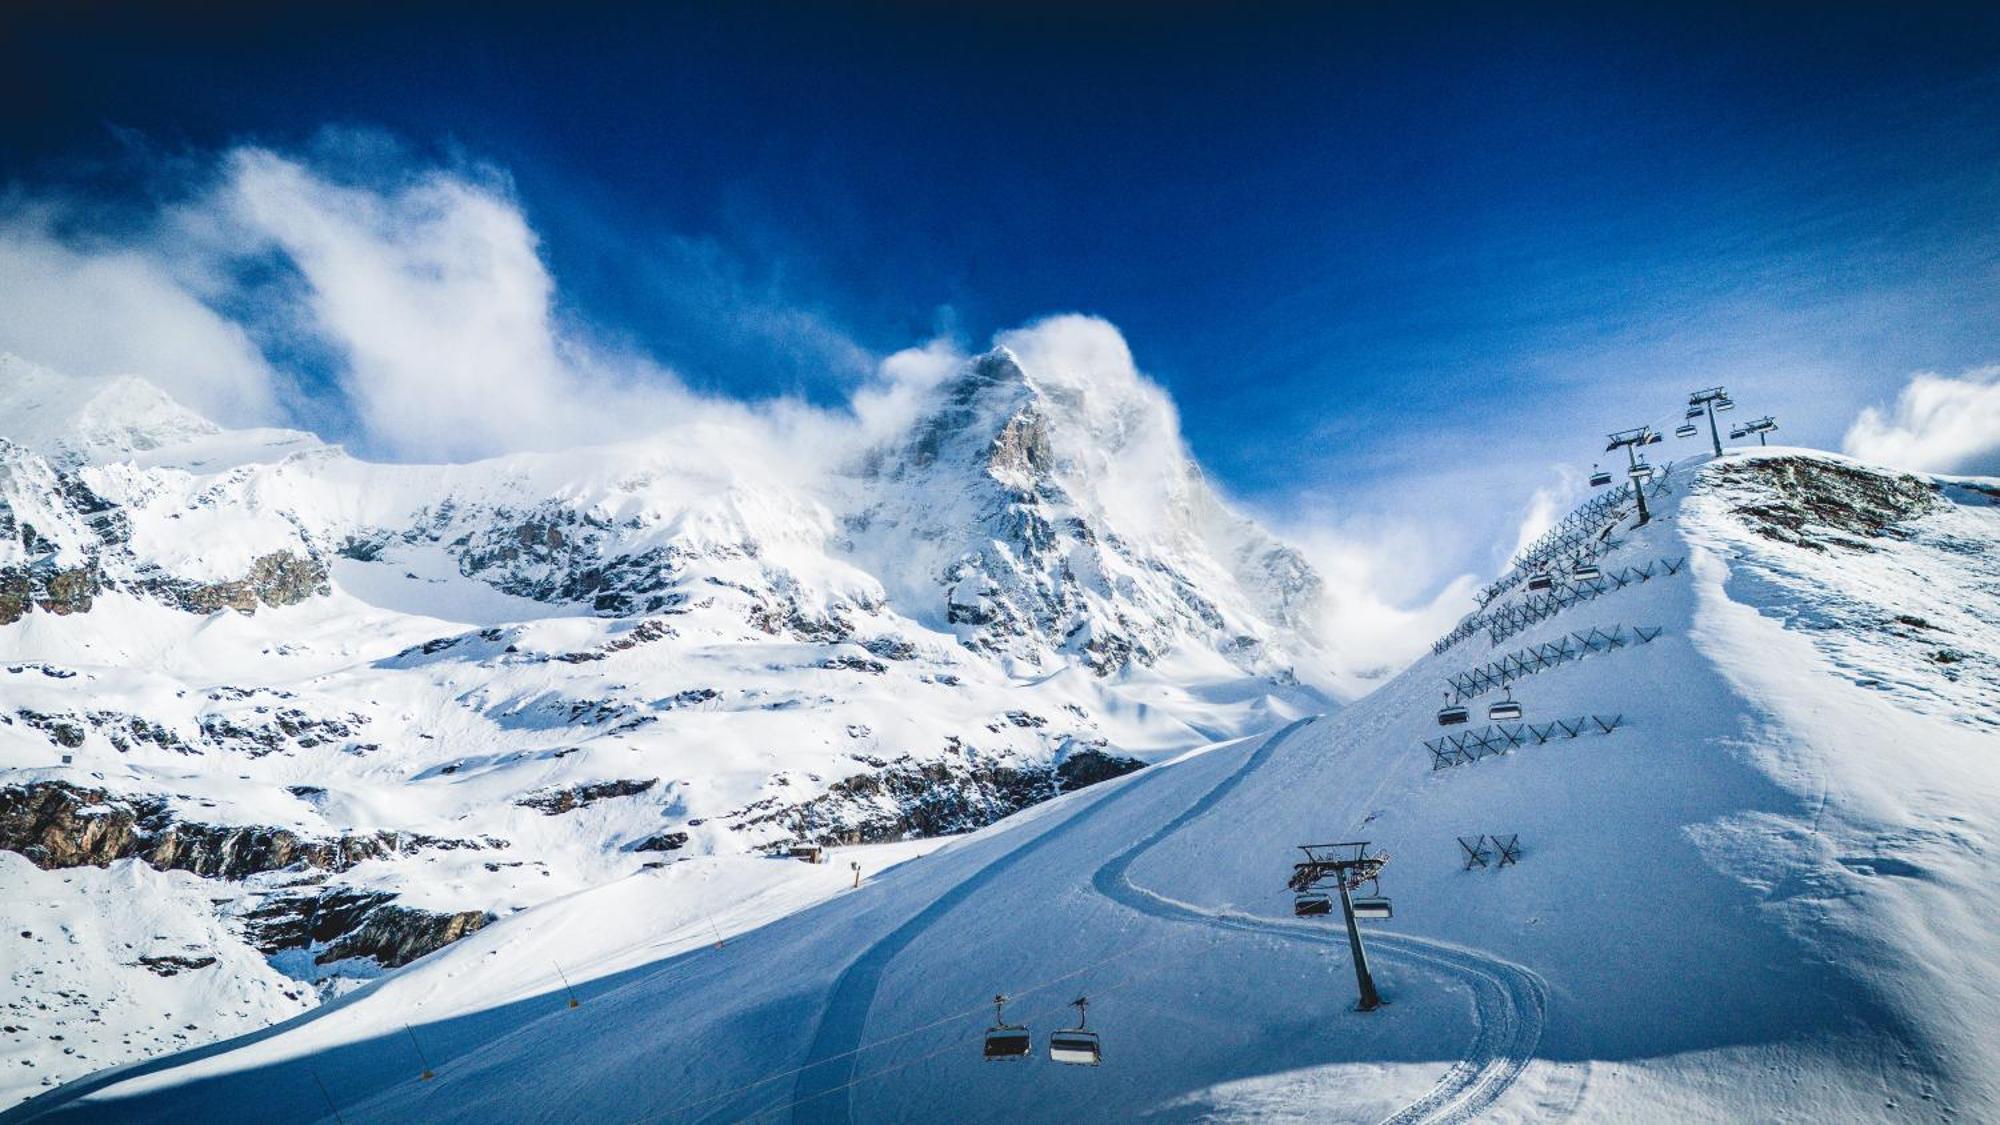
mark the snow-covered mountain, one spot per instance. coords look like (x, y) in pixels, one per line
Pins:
(316, 716)
(1732, 863)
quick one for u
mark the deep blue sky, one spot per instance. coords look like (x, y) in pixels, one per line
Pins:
(1378, 255)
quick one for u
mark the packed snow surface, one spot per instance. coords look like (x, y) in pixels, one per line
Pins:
(1732, 863)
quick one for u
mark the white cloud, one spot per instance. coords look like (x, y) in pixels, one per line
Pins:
(434, 293)
(1939, 424)
(1378, 616)
(117, 311)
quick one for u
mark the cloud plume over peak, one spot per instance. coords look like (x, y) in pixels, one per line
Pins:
(408, 309)
(435, 297)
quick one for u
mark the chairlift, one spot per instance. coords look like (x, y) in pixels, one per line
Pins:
(1076, 1045)
(1685, 430)
(1006, 1040)
(1653, 438)
(1695, 412)
(1541, 580)
(1452, 714)
(1585, 571)
(1372, 906)
(1725, 404)
(1311, 904)
(1505, 710)
(1599, 477)
(1641, 471)
(1738, 432)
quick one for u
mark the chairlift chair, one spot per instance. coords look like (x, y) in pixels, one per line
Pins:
(1585, 571)
(1076, 1045)
(1738, 432)
(1006, 1040)
(1725, 404)
(1599, 477)
(1311, 904)
(1653, 438)
(1695, 412)
(1541, 580)
(1452, 714)
(1684, 430)
(1641, 471)
(1372, 906)
(1505, 710)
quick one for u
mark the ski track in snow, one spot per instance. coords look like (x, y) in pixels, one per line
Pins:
(1510, 1000)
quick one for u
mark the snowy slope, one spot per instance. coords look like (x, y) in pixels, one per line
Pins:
(349, 712)
(1762, 894)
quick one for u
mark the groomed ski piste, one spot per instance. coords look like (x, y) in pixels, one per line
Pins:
(1753, 819)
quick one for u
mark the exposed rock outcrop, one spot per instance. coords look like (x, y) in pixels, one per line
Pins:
(907, 799)
(552, 802)
(56, 825)
(1815, 503)
(344, 922)
(280, 578)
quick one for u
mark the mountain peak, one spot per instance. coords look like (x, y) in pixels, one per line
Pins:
(90, 418)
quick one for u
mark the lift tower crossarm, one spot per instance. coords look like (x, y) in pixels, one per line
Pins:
(1630, 441)
(1706, 399)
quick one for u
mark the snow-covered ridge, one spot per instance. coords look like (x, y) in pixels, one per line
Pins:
(373, 707)
(1752, 883)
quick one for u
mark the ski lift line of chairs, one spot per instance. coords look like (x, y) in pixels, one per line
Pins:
(1314, 904)
(954, 1044)
(1077, 1046)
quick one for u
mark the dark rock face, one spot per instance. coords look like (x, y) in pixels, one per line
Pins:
(907, 799)
(662, 842)
(280, 578)
(353, 923)
(169, 966)
(58, 825)
(557, 554)
(63, 730)
(50, 589)
(398, 935)
(1088, 767)
(552, 802)
(1813, 503)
